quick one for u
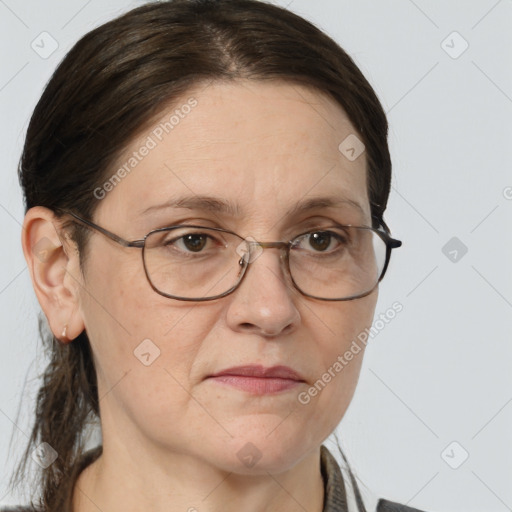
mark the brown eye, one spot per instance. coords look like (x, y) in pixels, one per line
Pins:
(320, 241)
(194, 243)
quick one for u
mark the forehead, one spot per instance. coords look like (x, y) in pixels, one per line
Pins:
(257, 145)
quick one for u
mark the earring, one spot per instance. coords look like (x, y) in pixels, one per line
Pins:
(64, 331)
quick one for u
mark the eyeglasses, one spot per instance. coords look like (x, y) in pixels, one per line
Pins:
(197, 263)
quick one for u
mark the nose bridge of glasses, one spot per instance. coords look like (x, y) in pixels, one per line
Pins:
(255, 248)
(270, 245)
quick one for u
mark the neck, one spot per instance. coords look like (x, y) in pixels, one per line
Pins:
(127, 481)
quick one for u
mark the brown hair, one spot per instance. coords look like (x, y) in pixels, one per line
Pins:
(108, 88)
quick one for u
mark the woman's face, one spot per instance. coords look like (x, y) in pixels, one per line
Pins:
(264, 149)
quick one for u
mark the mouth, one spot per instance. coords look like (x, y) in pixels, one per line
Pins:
(259, 380)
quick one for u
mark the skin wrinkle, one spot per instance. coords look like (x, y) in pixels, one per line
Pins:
(171, 437)
(219, 206)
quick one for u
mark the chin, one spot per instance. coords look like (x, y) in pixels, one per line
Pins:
(262, 450)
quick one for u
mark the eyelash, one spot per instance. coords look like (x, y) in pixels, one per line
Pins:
(339, 238)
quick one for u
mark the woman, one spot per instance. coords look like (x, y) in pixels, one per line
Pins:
(205, 183)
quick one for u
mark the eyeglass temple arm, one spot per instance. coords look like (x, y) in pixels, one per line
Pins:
(107, 233)
(391, 242)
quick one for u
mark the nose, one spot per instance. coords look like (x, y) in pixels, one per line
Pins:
(265, 301)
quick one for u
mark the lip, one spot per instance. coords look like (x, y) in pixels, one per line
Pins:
(259, 380)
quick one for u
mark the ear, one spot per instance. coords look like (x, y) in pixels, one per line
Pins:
(52, 260)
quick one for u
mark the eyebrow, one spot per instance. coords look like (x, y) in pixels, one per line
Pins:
(202, 203)
(316, 203)
(222, 206)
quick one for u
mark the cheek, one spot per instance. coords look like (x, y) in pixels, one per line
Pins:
(344, 322)
(342, 358)
(132, 329)
(114, 292)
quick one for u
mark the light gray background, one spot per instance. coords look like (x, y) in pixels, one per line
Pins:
(440, 371)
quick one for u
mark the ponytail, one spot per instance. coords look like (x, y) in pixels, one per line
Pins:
(66, 405)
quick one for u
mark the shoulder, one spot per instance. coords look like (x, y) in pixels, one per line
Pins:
(391, 506)
(340, 497)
